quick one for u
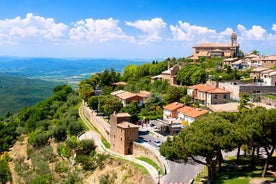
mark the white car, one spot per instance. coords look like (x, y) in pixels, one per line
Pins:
(157, 143)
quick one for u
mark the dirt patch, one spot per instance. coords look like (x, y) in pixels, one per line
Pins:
(120, 171)
(18, 151)
(260, 181)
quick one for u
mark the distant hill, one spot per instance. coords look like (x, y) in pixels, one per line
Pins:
(17, 92)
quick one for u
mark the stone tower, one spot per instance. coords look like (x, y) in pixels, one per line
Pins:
(122, 133)
(234, 39)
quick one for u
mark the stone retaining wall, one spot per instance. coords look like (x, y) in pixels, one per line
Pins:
(151, 153)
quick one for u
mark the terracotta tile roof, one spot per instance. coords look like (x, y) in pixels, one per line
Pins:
(117, 92)
(144, 94)
(173, 106)
(192, 112)
(123, 114)
(201, 87)
(267, 71)
(126, 125)
(208, 89)
(272, 57)
(216, 45)
(126, 95)
(120, 83)
(218, 91)
(259, 69)
(196, 113)
(185, 109)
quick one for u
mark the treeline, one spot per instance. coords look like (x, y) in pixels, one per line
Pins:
(205, 139)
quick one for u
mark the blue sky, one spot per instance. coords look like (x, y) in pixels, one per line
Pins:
(128, 29)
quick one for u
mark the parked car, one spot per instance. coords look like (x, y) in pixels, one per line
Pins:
(157, 143)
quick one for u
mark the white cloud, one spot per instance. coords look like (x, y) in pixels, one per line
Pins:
(37, 34)
(255, 33)
(23, 29)
(273, 27)
(152, 28)
(184, 31)
(101, 30)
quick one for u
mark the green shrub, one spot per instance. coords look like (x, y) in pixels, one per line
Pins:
(59, 133)
(63, 150)
(61, 167)
(108, 178)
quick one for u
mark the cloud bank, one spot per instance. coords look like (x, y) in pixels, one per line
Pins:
(34, 29)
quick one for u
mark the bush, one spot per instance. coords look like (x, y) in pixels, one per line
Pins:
(39, 139)
(87, 146)
(75, 128)
(47, 154)
(61, 167)
(59, 133)
(72, 143)
(86, 161)
(108, 179)
(5, 172)
(63, 150)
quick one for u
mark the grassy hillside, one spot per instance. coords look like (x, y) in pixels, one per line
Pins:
(17, 92)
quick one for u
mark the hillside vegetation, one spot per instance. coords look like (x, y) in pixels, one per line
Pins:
(47, 149)
(17, 92)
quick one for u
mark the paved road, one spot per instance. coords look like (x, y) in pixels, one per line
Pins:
(177, 172)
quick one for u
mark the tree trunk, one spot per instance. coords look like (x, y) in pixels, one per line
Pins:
(212, 173)
(258, 152)
(238, 153)
(252, 158)
(253, 152)
(269, 155)
(220, 160)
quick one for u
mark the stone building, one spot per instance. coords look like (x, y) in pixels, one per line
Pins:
(122, 133)
(225, 50)
(168, 75)
(269, 61)
(208, 95)
(127, 97)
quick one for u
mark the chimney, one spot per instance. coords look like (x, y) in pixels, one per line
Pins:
(169, 65)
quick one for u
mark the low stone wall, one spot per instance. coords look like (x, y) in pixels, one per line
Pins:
(151, 153)
(102, 126)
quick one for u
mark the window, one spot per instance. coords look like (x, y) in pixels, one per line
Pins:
(224, 96)
(216, 97)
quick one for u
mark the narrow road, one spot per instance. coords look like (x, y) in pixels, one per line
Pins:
(92, 134)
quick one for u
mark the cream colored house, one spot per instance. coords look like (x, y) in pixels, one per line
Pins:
(208, 95)
(268, 78)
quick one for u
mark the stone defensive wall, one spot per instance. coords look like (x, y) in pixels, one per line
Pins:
(99, 123)
(139, 150)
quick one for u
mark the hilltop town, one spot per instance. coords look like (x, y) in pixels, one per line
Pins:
(201, 110)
